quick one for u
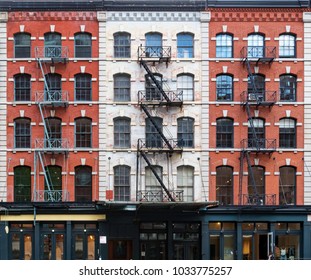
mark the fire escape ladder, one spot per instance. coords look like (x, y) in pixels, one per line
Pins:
(167, 142)
(156, 82)
(157, 176)
(241, 177)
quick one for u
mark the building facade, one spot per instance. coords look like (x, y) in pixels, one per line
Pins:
(162, 131)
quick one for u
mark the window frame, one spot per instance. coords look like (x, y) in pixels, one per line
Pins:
(153, 138)
(260, 130)
(22, 80)
(26, 47)
(255, 47)
(87, 48)
(223, 41)
(86, 122)
(83, 87)
(25, 137)
(291, 49)
(122, 182)
(183, 178)
(224, 192)
(85, 189)
(22, 182)
(224, 82)
(292, 88)
(122, 50)
(51, 177)
(185, 46)
(223, 131)
(261, 189)
(122, 87)
(123, 134)
(291, 187)
(289, 133)
(185, 132)
(185, 84)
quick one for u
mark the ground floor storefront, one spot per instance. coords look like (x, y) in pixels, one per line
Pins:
(153, 232)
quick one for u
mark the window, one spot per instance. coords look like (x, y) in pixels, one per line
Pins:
(83, 87)
(259, 127)
(122, 45)
(22, 184)
(256, 191)
(53, 45)
(185, 181)
(83, 45)
(54, 129)
(22, 45)
(224, 45)
(153, 138)
(185, 132)
(152, 91)
(54, 177)
(153, 44)
(255, 46)
(256, 87)
(185, 86)
(224, 88)
(224, 185)
(287, 188)
(184, 45)
(83, 183)
(22, 89)
(287, 45)
(287, 133)
(122, 132)
(224, 133)
(288, 85)
(54, 90)
(122, 185)
(22, 133)
(154, 191)
(83, 133)
(122, 87)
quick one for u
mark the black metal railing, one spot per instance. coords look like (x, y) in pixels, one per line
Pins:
(155, 142)
(155, 95)
(50, 196)
(258, 52)
(258, 199)
(159, 196)
(52, 52)
(52, 144)
(263, 97)
(154, 52)
(263, 144)
(59, 96)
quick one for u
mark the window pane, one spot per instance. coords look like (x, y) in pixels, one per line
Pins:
(224, 133)
(224, 185)
(185, 181)
(22, 87)
(153, 188)
(22, 133)
(122, 45)
(83, 45)
(122, 88)
(185, 132)
(122, 183)
(224, 88)
(259, 127)
(122, 127)
(255, 46)
(287, 133)
(224, 45)
(287, 188)
(83, 183)
(185, 85)
(22, 44)
(83, 129)
(287, 45)
(83, 87)
(288, 88)
(22, 184)
(153, 138)
(184, 45)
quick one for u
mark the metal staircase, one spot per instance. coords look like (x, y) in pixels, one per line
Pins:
(49, 98)
(255, 145)
(154, 55)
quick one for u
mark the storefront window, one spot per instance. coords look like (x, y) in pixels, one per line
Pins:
(287, 247)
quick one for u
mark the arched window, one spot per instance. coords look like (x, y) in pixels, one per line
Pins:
(22, 45)
(122, 87)
(22, 88)
(154, 192)
(288, 88)
(153, 44)
(255, 45)
(83, 133)
(224, 133)
(224, 185)
(185, 45)
(22, 184)
(83, 87)
(185, 182)
(287, 134)
(83, 45)
(152, 91)
(258, 140)
(185, 84)
(256, 87)
(256, 188)
(287, 45)
(54, 130)
(122, 45)
(185, 132)
(54, 90)
(83, 183)
(224, 87)
(122, 182)
(287, 185)
(153, 138)
(22, 133)
(122, 132)
(53, 189)
(53, 45)
(224, 45)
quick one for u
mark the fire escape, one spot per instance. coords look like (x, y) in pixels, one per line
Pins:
(252, 99)
(49, 146)
(156, 97)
